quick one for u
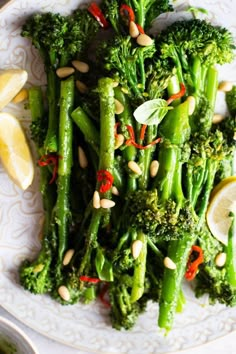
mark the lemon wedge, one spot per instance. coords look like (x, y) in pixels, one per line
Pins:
(14, 151)
(11, 82)
(222, 201)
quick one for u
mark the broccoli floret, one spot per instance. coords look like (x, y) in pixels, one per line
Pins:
(231, 101)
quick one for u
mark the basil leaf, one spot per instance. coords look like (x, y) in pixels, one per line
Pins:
(152, 112)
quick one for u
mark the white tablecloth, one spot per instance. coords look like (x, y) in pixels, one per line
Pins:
(45, 345)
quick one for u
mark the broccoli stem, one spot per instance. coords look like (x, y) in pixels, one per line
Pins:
(139, 270)
(231, 253)
(51, 141)
(62, 208)
(87, 127)
(178, 252)
(106, 162)
(211, 85)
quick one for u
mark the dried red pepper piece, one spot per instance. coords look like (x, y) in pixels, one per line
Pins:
(50, 159)
(106, 179)
(87, 279)
(192, 266)
(95, 10)
(127, 12)
(177, 95)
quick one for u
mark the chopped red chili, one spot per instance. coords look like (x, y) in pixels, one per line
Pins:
(95, 10)
(103, 294)
(132, 141)
(127, 12)
(106, 179)
(87, 279)
(192, 266)
(177, 95)
(143, 131)
(50, 159)
(140, 28)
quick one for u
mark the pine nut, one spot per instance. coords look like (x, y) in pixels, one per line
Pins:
(144, 40)
(68, 256)
(119, 108)
(217, 118)
(220, 259)
(136, 248)
(168, 263)
(81, 66)
(107, 203)
(133, 166)
(225, 86)
(114, 190)
(21, 96)
(83, 161)
(119, 140)
(133, 29)
(96, 200)
(38, 268)
(191, 104)
(154, 168)
(82, 88)
(234, 137)
(125, 90)
(64, 293)
(64, 71)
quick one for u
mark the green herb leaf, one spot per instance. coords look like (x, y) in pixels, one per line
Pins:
(103, 266)
(152, 112)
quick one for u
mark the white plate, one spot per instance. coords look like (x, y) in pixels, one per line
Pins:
(84, 327)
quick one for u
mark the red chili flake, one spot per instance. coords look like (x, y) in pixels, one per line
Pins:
(127, 12)
(115, 129)
(103, 294)
(192, 267)
(177, 95)
(50, 159)
(143, 131)
(107, 180)
(132, 141)
(87, 279)
(95, 10)
(140, 28)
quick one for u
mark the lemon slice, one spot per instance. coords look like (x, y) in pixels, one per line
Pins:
(223, 200)
(14, 151)
(11, 82)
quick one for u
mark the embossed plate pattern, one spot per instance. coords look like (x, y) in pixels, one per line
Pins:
(85, 327)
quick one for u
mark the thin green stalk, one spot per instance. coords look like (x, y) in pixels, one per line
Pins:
(231, 253)
(62, 209)
(139, 270)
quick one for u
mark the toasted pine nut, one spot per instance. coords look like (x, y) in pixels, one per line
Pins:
(96, 200)
(119, 140)
(68, 256)
(21, 96)
(107, 203)
(154, 168)
(133, 29)
(83, 161)
(64, 71)
(234, 137)
(38, 268)
(114, 190)
(136, 248)
(64, 293)
(119, 108)
(217, 118)
(81, 86)
(81, 66)
(225, 86)
(133, 166)
(168, 263)
(144, 40)
(220, 259)
(191, 104)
